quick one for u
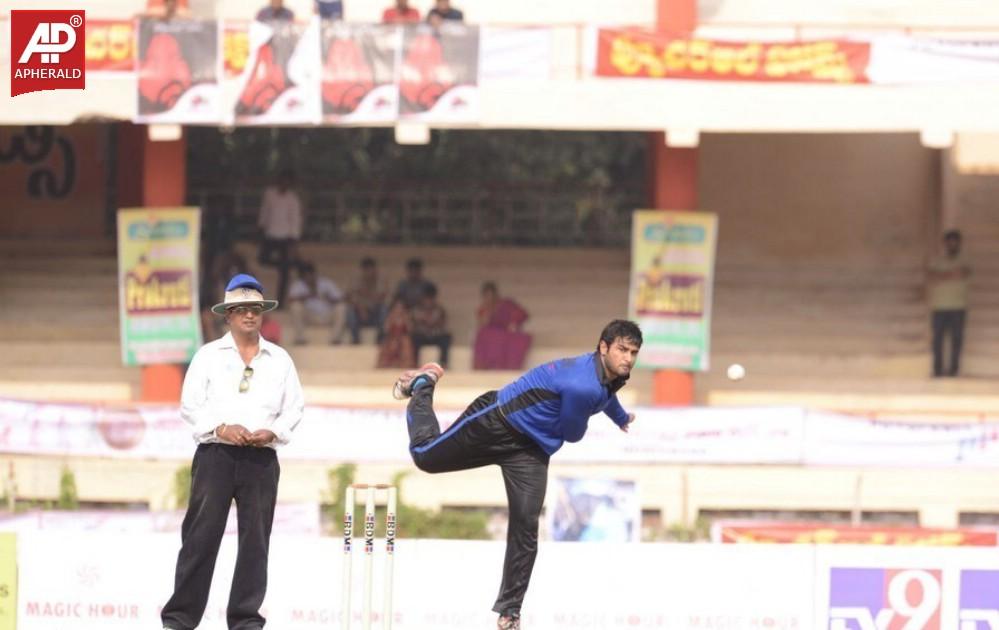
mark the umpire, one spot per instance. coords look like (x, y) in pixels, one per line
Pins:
(242, 397)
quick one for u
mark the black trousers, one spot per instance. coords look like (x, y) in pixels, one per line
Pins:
(277, 253)
(479, 437)
(221, 473)
(948, 323)
(443, 342)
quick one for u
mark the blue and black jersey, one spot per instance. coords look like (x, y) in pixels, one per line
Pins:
(517, 428)
(553, 402)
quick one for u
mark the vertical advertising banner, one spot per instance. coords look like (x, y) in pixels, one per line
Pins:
(8, 581)
(439, 75)
(358, 75)
(672, 274)
(281, 76)
(178, 64)
(158, 284)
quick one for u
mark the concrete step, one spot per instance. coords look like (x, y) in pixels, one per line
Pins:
(367, 387)
(818, 346)
(39, 248)
(397, 255)
(71, 265)
(348, 358)
(102, 327)
(50, 281)
(90, 354)
(40, 372)
(69, 391)
(760, 325)
(76, 298)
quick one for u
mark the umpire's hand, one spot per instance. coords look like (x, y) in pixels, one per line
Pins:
(235, 434)
(261, 437)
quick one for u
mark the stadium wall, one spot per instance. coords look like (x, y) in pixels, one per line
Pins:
(839, 199)
(92, 581)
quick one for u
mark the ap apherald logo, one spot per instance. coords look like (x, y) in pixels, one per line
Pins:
(47, 51)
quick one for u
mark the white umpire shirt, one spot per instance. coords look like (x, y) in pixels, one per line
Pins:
(211, 395)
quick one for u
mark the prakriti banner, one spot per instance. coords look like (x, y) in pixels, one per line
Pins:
(438, 78)
(158, 284)
(278, 83)
(672, 273)
(359, 72)
(179, 71)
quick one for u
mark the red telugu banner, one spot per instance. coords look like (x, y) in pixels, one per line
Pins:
(629, 53)
(861, 535)
(110, 46)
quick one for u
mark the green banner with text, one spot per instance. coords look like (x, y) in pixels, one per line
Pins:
(158, 284)
(672, 275)
(8, 581)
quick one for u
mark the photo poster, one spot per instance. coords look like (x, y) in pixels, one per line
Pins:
(179, 71)
(359, 72)
(594, 510)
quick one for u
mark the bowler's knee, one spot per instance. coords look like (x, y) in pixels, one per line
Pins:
(427, 464)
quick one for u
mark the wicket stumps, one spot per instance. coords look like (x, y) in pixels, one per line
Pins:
(369, 552)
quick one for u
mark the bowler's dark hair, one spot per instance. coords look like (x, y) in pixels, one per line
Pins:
(952, 234)
(367, 262)
(621, 329)
(414, 263)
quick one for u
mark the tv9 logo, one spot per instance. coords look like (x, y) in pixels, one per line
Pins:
(47, 51)
(884, 599)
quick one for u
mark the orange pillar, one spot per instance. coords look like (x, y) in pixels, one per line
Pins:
(676, 16)
(164, 172)
(153, 174)
(672, 186)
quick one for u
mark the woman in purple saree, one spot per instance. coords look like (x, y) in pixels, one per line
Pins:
(500, 343)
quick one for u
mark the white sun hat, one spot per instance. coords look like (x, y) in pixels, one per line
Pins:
(244, 289)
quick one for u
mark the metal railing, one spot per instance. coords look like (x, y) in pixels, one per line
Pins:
(582, 217)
